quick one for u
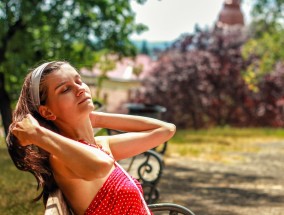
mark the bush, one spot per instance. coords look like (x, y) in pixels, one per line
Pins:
(269, 101)
(199, 80)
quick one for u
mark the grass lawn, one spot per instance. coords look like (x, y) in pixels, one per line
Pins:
(221, 144)
(18, 188)
(218, 144)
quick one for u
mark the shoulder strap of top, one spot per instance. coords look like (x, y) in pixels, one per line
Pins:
(141, 195)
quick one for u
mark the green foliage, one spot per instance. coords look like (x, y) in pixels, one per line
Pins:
(264, 53)
(144, 49)
(33, 31)
(137, 69)
(267, 16)
(105, 62)
(264, 50)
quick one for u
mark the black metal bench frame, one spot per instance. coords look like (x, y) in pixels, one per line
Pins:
(151, 192)
(171, 208)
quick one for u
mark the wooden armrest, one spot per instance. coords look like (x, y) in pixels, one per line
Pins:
(56, 204)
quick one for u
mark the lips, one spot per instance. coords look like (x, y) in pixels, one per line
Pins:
(84, 99)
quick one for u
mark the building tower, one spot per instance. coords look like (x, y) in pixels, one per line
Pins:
(230, 15)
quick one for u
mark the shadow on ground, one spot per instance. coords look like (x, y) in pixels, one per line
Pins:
(206, 190)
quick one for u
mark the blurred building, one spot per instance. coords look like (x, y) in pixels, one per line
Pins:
(126, 76)
(231, 14)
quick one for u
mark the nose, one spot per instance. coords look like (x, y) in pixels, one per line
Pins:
(80, 89)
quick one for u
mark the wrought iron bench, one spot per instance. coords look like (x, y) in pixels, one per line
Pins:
(147, 168)
(149, 173)
(169, 208)
(148, 110)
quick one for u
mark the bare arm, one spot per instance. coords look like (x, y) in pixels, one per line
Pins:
(143, 133)
(84, 161)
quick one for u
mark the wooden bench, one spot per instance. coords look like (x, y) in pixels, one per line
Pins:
(56, 205)
(149, 171)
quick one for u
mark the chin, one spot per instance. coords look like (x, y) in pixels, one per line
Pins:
(91, 107)
(87, 109)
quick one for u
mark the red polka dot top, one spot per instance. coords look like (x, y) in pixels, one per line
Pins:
(117, 196)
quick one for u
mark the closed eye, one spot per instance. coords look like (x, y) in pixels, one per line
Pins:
(79, 81)
(65, 89)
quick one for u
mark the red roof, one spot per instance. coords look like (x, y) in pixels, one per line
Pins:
(124, 69)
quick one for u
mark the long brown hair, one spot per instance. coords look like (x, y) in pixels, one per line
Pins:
(32, 158)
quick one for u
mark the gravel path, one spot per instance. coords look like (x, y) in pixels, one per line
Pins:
(253, 185)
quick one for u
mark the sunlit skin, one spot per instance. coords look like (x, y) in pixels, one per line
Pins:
(80, 170)
(69, 102)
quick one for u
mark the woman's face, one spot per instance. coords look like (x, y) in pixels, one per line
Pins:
(67, 97)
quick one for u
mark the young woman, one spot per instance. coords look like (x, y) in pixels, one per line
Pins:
(52, 137)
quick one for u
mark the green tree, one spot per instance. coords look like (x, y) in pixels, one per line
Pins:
(267, 16)
(263, 50)
(105, 62)
(263, 53)
(36, 30)
(144, 48)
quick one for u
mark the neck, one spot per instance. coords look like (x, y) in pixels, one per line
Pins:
(79, 130)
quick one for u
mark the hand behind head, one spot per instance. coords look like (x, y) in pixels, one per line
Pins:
(26, 130)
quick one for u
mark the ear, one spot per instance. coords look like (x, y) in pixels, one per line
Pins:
(46, 113)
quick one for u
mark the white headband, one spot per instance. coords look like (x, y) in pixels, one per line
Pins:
(35, 81)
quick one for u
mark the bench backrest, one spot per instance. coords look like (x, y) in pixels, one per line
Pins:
(56, 204)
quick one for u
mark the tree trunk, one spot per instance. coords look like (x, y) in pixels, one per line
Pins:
(5, 105)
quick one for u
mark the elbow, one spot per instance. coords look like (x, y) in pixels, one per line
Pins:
(170, 130)
(99, 170)
(105, 168)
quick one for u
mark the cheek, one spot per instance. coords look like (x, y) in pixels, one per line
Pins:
(66, 102)
(86, 87)
(62, 104)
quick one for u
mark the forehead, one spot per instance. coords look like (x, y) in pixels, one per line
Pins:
(65, 72)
